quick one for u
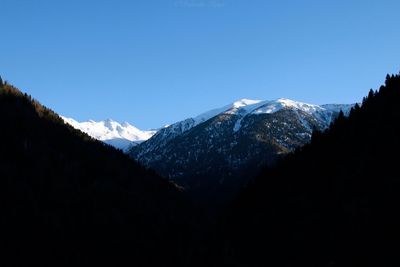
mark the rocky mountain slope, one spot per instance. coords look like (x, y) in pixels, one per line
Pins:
(212, 152)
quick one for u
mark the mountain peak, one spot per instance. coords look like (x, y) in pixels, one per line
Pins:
(248, 106)
(112, 132)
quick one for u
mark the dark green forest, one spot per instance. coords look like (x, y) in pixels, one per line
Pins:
(333, 202)
(69, 200)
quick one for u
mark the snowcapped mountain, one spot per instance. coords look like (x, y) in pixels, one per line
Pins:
(212, 151)
(239, 110)
(121, 136)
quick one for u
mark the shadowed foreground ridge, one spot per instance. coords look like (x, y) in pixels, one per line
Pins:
(68, 200)
(334, 202)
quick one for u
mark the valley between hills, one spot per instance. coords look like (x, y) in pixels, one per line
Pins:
(255, 183)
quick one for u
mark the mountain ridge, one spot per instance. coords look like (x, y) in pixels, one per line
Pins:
(124, 136)
(213, 151)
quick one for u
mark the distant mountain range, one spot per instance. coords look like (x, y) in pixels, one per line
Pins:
(215, 150)
(124, 135)
(119, 135)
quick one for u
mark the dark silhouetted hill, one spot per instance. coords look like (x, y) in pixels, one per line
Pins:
(333, 202)
(68, 200)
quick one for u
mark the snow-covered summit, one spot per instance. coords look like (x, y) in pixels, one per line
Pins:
(245, 106)
(120, 135)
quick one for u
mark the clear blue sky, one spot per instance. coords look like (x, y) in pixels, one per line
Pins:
(153, 62)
